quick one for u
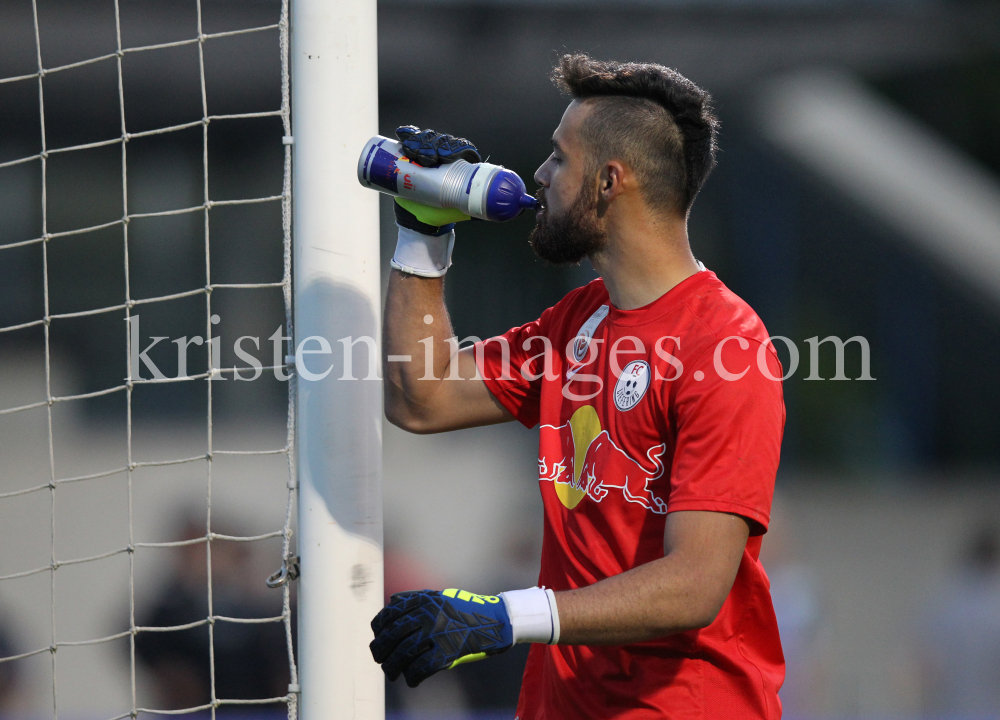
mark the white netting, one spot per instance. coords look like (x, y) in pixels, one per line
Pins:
(127, 307)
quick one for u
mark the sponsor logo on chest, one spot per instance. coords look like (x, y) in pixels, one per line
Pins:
(582, 460)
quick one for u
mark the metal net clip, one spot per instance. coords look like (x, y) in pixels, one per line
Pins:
(289, 571)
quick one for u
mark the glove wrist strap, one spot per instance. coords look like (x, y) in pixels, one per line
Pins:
(423, 255)
(534, 617)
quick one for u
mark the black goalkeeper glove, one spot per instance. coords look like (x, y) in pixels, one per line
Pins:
(422, 632)
(431, 149)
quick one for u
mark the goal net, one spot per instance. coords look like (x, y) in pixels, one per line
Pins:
(146, 452)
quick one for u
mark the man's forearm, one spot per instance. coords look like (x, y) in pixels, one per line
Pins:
(421, 363)
(659, 598)
(681, 591)
(410, 302)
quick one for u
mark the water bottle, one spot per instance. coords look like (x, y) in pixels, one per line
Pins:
(482, 190)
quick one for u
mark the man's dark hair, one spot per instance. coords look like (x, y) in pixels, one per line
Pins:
(653, 118)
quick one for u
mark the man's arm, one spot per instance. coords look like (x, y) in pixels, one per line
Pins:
(682, 591)
(415, 633)
(445, 394)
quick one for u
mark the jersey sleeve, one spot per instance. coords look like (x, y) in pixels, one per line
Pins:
(728, 433)
(511, 365)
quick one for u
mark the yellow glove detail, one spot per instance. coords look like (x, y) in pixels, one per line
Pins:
(436, 217)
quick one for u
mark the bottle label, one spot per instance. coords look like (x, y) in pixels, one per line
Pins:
(383, 171)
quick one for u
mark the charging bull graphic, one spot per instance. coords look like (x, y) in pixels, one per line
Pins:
(582, 459)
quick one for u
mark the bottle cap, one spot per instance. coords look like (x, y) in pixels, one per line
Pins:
(506, 198)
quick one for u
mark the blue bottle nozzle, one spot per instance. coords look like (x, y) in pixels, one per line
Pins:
(506, 198)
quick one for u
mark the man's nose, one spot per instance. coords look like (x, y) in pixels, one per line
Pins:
(542, 174)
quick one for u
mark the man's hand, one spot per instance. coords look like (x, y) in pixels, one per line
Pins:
(423, 632)
(431, 149)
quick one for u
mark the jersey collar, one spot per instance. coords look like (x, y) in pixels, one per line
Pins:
(663, 304)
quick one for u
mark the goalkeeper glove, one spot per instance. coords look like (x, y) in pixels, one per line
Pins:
(426, 236)
(431, 149)
(423, 632)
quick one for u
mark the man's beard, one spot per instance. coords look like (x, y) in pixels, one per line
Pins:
(571, 236)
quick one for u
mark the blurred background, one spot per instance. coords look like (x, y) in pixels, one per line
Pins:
(857, 193)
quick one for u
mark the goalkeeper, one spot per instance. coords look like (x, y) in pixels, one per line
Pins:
(659, 401)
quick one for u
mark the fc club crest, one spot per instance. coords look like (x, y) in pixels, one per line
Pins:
(632, 385)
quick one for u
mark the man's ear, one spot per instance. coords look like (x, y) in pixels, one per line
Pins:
(612, 180)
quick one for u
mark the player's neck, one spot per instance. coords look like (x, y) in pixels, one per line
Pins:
(645, 257)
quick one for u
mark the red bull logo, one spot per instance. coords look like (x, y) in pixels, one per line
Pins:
(582, 460)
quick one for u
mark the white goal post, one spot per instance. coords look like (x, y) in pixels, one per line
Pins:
(330, 449)
(337, 296)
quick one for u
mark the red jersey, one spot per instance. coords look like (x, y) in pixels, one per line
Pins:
(673, 406)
